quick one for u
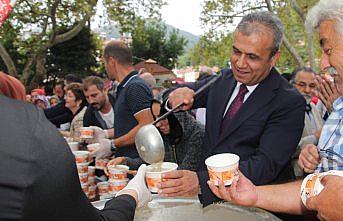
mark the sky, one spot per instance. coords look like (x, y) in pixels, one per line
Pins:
(184, 15)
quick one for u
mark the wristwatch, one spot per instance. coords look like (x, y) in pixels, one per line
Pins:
(113, 147)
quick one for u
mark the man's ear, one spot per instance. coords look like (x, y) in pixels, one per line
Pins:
(275, 58)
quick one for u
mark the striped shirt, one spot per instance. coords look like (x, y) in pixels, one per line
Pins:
(332, 138)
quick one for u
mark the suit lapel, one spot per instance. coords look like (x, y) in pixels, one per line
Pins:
(256, 101)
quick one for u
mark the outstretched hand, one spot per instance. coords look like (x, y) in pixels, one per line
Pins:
(241, 192)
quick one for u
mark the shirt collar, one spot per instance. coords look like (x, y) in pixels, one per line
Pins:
(128, 78)
(250, 88)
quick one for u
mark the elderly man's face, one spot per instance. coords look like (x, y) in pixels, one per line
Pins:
(332, 51)
(250, 58)
(305, 84)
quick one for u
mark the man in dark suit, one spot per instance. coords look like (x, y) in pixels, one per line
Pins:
(251, 111)
(38, 176)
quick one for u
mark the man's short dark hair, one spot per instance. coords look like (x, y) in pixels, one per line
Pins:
(119, 51)
(72, 78)
(297, 70)
(248, 25)
(93, 80)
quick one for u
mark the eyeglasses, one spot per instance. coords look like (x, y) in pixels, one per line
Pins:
(304, 85)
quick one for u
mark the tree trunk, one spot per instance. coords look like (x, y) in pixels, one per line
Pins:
(12, 70)
(293, 52)
(286, 42)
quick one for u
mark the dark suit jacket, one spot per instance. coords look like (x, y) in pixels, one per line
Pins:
(59, 114)
(264, 133)
(38, 176)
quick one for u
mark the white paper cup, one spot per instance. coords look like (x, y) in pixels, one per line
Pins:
(222, 167)
(86, 133)
(84, 187)
(91, 171)
(114, 186)
(118, 172)
(81, 156)
(82, 167)
(91, 192)
(91, 181)
(102, 188)
(311, 185)
(106, 196)
(83, 178)
(101, 163)
(153, 178)
(92, 147)
(74, 146)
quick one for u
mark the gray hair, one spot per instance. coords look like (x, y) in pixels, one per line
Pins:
(325, 10)
(248, 26)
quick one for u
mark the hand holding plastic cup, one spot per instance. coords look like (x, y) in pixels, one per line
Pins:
(153, 177)
(222, 167)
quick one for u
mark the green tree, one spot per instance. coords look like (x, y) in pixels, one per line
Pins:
(75, 56)
(150, 40)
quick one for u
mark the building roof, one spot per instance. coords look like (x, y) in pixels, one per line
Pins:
(152, 67)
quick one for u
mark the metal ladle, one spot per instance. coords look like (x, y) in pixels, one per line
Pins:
(149, 142)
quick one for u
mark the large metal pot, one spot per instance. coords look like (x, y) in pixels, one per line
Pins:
(185, 209)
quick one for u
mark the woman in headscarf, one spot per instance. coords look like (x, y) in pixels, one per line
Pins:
(11, 87)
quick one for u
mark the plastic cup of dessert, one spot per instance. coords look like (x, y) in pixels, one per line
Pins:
(82, 167)
(117, 171)
(86, 133)
(81, 156)
(222, 167)
(153, 177)
(114, 186)
(101, 163)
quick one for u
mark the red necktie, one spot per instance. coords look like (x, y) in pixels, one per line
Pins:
(234, 107)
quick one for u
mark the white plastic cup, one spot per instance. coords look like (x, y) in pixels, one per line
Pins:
(81, 156)
(91, 171)
(222, 167)
(153, 178)
(82, 167)
(84, 187)
(74, 146)
(114, 186)
(101, 163)
(91, 192)
(92, 147)
(86, 133)
(91, 181)
(311, 185)
(118, 172)
(102, 188)
(83, 178)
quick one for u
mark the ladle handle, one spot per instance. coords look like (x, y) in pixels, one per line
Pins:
(200, 90)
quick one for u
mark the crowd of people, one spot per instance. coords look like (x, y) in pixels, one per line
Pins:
(281, 130)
